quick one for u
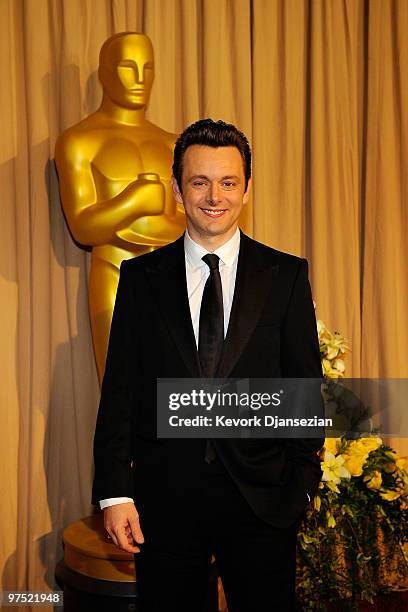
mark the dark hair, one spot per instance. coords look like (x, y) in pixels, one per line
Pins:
(212, 134)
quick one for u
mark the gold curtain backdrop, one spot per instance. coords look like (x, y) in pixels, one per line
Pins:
(320, 88)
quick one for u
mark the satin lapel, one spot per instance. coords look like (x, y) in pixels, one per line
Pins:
(253, 283)
(168, 280)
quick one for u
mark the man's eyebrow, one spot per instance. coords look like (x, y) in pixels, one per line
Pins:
(198, 176)
(223, 178)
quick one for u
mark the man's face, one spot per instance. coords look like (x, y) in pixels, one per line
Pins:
(127, 76)
(214, 194)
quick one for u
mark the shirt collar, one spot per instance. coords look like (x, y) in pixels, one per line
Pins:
(227, 253)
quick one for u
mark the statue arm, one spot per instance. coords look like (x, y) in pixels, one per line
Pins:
(94, 222)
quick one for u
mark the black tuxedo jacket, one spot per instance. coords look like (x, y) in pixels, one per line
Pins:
(272, 333)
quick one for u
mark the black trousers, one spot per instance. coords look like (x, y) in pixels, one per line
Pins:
(256, 561)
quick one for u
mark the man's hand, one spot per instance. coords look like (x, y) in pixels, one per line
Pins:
(122, 523)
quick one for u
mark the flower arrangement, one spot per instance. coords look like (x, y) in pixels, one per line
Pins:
(351, 546)
(332, 349)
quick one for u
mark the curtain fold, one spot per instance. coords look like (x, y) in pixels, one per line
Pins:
(319, 87)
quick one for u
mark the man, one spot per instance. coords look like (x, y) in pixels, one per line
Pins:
(183, 500)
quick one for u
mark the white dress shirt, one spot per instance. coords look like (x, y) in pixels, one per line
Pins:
(197, 273)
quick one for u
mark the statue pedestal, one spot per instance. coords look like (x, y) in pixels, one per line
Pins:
(96, 575)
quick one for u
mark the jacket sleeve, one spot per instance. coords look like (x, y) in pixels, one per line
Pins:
(300, 355)
(112, 440)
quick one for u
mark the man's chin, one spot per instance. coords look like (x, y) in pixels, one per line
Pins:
(217, 231)
(213, 231)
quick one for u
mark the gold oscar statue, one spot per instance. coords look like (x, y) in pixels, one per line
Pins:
(114, 171)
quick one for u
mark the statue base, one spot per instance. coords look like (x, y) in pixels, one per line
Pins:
(96, 575)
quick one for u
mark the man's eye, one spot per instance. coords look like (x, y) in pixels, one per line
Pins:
(198, 183)
(229, 184)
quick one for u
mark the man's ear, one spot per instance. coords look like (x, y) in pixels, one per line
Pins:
(247, 192)
(176, 191)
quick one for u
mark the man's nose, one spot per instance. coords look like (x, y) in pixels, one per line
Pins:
(214, 193)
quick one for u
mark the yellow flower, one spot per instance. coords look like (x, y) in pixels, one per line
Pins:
(333, 468)
(354, 464)
(390, 495)
(374, 480)
(339, 365)
(331, 347)
(355, 457)
(332, 486)
(328, 370)
(326, 365)
(317, 502)
(331, 521)
(370, 443)
(332, 445)
(402, 464)
(332, 351)
(321, 328)
(357, 453)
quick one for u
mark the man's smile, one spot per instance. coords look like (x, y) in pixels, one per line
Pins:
(214, 213)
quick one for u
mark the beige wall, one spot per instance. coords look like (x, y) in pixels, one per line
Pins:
(319, 87)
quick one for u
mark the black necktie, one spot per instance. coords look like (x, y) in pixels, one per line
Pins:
(211, 331)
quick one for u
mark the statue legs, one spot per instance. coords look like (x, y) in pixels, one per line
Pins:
(103, 283)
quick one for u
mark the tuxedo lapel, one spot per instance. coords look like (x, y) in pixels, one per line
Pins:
(168, 279)
(254, 281)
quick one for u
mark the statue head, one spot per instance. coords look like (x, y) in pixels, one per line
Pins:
(126, 69)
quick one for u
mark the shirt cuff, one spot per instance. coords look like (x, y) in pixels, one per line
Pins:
(112, 501)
